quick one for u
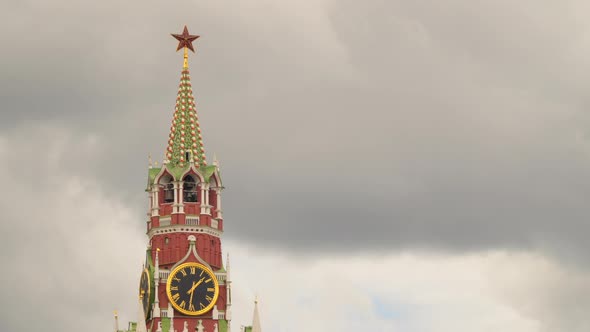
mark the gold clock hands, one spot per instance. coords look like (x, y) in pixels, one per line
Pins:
(192, 291)
(192, 288)
(195, 285)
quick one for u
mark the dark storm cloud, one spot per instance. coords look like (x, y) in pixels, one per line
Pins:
(345, 125)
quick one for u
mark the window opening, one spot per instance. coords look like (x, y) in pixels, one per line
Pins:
(190, 189)
(168, 187)
(169, 193)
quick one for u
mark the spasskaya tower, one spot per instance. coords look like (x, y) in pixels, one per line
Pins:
(184, 285)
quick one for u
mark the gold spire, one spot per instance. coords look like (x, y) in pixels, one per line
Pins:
(185, 63)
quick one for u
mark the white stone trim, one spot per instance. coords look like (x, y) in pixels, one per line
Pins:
(164, 274)
(180, 196)
(192, 220)
(228, 291)
(204, 196)
(154, 195)
(219, 212)
(156, 312)
(164, 221)
(163, 171)
(184, 229)
(194, 169)
(192, 249)
(176, 201)
(221, 277)
(215, 313)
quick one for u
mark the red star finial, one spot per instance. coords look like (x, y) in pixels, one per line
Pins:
(185, 40)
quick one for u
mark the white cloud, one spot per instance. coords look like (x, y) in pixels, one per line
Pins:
(402, 292)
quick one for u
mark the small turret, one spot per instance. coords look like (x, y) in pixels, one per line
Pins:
(228, 312)
(255, 327)
(116, 321)
(141, 327)
(256, 318)
(156, 309)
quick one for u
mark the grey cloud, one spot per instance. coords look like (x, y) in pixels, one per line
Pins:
(382, 125)
(341, 127)
(71, 253)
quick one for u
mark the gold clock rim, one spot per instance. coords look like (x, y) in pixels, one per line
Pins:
(208, 271)
(147, 273)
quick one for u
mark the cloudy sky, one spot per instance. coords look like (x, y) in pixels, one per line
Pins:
(390, 165)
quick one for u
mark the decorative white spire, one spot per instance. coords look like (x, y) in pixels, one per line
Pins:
(215, 161)
(116, 321)
(256, 318)
(171, 316)
(156, 310)
(228, 295)
(141, 319)
(227, 267)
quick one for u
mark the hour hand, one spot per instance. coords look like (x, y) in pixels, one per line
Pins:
(192, 288)
(195, 285)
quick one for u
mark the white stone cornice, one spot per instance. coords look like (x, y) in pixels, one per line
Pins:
(184, 229)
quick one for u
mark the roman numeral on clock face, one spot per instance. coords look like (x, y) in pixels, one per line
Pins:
(208, 298)
(201, 305)
(175, 297)
(191, 307)
(210, 289)
(193, 270)
(174, 288)
(182, 304)
(183, 272)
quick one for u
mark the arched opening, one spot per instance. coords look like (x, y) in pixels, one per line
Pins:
(168, 188)
(189, 189)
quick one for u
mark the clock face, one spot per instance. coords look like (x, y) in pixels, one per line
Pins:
(144, 291)
(192, 288)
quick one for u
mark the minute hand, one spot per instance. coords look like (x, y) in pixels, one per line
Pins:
(195, 286)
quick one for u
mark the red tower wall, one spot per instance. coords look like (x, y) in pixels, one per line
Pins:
(208, 248)
(174, 249)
